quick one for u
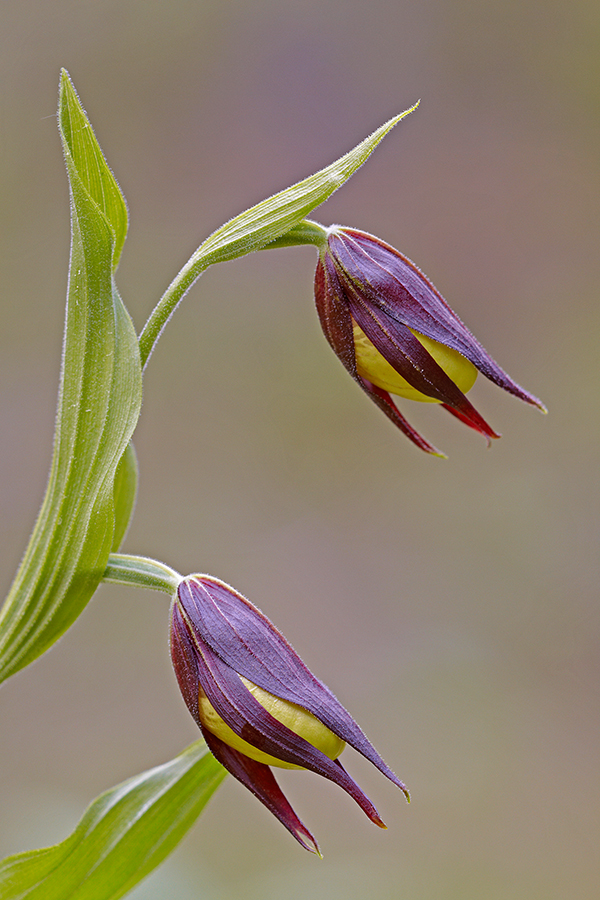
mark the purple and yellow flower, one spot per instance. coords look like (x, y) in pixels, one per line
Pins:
(395, 333)
(256, 703)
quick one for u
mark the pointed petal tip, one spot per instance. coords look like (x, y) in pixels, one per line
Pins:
(395, 780)
(377, 820)
(305, 838)
(374, 815)
(468, 415)
(532, 400)
(430, 449)
(526, 397)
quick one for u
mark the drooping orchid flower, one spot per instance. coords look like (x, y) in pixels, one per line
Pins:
(255, 701)
(395, 333)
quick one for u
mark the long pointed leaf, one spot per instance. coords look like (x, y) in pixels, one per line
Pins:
(122, 837)
(99, 405)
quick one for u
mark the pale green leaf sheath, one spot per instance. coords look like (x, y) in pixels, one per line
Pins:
(99, 404)
(121, 838)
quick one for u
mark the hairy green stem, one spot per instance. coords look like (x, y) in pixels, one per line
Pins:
(168, 303)
(305, 232)
(141, 571)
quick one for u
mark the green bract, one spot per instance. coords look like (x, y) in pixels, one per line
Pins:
(258, 226)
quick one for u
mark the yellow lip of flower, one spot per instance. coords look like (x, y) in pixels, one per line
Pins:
(293, 716)
(371, 365)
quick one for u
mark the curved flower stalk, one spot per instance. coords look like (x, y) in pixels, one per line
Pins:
(255, 701)
(395, 333)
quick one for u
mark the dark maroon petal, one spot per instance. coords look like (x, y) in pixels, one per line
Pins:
(184, 657)
(335, 308)
(259, 779)
(338, 301)
(243, 637)
(334, 314)
(391, 281)
(465, 420)
(386, 405)
(360, 798)
(336, 322)
(405, 353)
(238, 707)
(248, 718)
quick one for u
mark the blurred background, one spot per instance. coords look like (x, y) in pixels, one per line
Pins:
(451, 604)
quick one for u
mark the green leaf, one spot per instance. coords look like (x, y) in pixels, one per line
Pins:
(122, 837)
(125, 493)
(83, 151)
(259, 225)
(98, 408)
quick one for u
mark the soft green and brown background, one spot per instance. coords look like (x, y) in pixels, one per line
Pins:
(452, 605)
